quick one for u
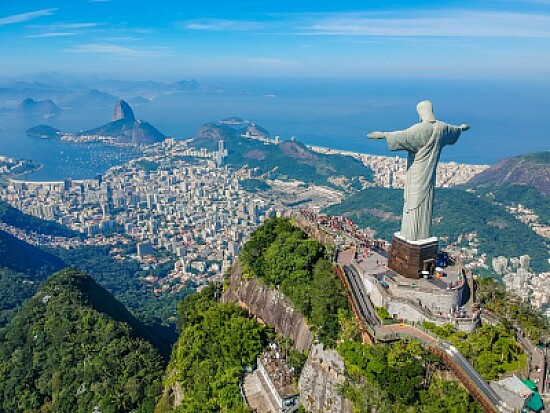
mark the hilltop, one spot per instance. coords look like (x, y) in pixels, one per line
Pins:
(531, 170)
(45, 108)
(125, 128)
(43, 132)
(91, 99)
(73, 347)
(250, 144)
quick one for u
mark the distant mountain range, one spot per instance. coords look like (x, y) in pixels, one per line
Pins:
(531, 169)
(250, 144)
(93, 98)
(44, 108)
(73, 92)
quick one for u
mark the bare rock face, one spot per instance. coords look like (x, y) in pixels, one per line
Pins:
(269, 305)
(319, 381)
(123, 111)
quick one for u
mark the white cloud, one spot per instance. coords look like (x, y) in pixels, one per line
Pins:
(221, 25)
(64, 26)
(23, 17)
(120, 51)
(51, 34)
(451, 23)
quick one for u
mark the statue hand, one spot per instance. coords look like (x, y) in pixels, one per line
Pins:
(376, 135)
(464, 127)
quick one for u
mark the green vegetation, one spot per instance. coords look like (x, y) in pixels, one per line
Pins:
(74, 347)
(400, 377)
(124, 280)
(16, 218)
(43, 131)
(147, 166)
(455, 212)
(492, 350)
(254, 185)
(217, 342)
(283, 256)
(512, 195)
(22, 268)
(286, 160)
(383, 314)
(494, 297)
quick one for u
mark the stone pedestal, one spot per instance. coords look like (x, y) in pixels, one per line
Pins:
(409, 258)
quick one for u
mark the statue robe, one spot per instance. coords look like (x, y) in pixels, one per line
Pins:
(424, 142)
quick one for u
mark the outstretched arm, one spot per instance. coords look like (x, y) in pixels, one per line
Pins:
(453, 133)
(376, 135)
(411, 139)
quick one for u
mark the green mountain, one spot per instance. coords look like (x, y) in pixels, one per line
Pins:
(531, 169)
(455, 212)
(290, 159)
(285, 258)
(74, 348)
(22, 268)
(26, 266)
(44, 132)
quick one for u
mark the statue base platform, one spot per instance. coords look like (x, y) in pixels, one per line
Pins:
(410, 258)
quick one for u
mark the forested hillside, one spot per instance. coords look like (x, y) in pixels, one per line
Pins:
(289, 159)
(283, 256)
(22, 268)
(217, 342)
(74, 348)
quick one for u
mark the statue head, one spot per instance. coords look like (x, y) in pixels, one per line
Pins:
(426, 111)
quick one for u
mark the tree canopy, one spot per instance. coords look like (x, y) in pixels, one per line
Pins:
(73, 348)
(284, 257)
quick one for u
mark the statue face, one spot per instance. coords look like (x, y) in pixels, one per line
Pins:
(425, 111)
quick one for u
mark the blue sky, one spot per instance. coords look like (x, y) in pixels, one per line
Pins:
(244, 38)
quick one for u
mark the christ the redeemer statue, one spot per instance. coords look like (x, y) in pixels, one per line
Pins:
(423, 141)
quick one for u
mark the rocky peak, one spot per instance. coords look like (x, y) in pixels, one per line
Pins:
(123, 111)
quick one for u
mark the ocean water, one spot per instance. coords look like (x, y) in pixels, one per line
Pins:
(507, 118)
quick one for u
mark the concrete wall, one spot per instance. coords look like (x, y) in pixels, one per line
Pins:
(375, 294)
(409, 312)
(435, 300)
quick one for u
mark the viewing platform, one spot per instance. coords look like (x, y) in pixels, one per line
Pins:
(443, 297)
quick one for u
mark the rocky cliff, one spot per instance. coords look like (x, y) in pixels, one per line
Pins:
(319, 381)
(125, 129)
(123, 110)
(270, 306)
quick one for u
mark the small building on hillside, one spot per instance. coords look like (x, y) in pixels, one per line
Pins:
(278, 380)
(519, 394)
